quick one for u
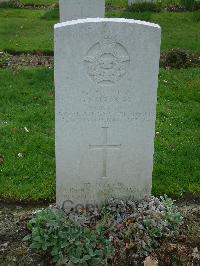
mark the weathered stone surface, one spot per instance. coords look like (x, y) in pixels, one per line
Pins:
(106, 75)
(75, 9)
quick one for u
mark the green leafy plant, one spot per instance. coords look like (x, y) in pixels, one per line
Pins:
(172, 215)
(65, 242)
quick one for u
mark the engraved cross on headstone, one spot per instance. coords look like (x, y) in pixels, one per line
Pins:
(104, 147)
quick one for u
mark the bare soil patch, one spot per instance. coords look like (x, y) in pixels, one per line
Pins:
(19, 61)
(174, 58)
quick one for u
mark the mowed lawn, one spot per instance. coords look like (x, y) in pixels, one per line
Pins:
(25, 30)
(39, 2)
(27, 135)
(27, 160)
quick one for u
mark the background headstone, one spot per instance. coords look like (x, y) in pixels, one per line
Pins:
(4, 1)
(130, 2)
(74, 9)
(106, 75)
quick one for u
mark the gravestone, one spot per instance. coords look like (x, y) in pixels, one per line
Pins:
(130, 2)
(74, 9)
(106, 75)
(4, 1)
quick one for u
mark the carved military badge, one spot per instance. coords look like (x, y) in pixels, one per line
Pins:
(107, 61)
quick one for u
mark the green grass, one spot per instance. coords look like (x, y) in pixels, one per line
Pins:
(32, 30)
(118, 3)
(39, 2)
(177, 156)
(27, 100)
(179, 30)
(184, 33)
(24, 31)
(51, 14)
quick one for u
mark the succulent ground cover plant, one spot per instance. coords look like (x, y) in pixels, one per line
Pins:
(129, 230)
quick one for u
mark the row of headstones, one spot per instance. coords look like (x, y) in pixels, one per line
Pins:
(74, 9)
(106, 75)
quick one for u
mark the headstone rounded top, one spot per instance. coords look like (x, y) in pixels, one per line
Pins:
(103, 20)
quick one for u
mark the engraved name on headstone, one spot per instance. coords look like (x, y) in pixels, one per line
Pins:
(106, 75)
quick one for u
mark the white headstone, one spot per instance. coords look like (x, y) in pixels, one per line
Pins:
(4, 1)
(130, 2)
(74, 9)
(106, 75)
